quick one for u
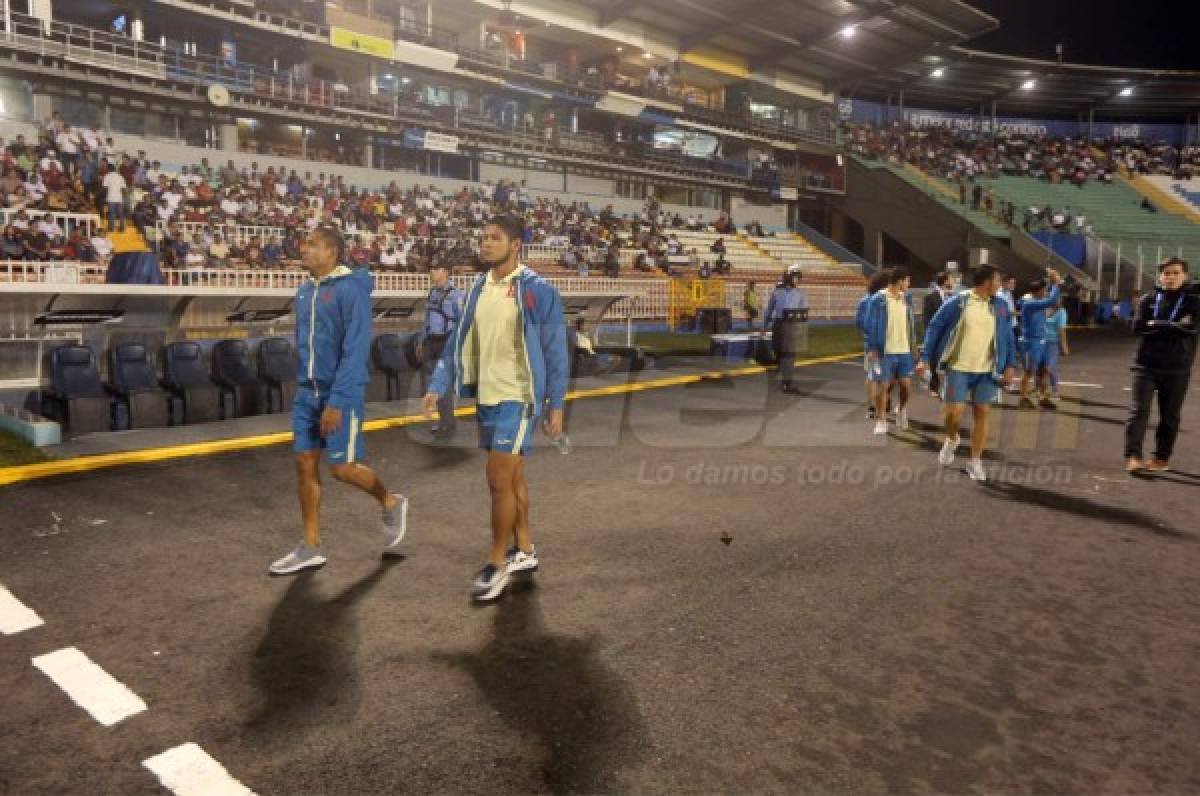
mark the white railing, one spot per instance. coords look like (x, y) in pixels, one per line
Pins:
(88, 223)
(85, 45)
(645, 299)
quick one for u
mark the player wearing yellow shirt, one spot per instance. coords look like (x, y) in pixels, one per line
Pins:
(971, 337)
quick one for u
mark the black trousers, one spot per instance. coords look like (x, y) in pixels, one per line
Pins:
(1171, 387)
(786, 359)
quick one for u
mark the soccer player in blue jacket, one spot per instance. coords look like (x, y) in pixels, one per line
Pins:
(333, 338)
(1033, 333)
(971, 338)
(509, 352)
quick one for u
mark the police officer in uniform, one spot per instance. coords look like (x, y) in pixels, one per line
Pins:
(443, 310)
(787, 310)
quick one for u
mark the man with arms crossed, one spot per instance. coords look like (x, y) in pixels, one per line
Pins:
(971, 337)
(333, 337)
(891, 347)
(1165, 323)
(509, 351)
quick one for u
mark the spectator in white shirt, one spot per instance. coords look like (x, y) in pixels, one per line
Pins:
(115, 189)
(50, 227)
(91, 138)
(68, 146)
(49, 161)
(103, 246)
(35, 189)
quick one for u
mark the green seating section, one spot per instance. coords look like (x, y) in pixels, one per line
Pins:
(1114, 212)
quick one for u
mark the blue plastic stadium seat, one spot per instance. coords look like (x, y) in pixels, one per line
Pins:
(185, 376)
(77, 397)
(232, 370)
(390, 367)
(277, 365)
(142, 401)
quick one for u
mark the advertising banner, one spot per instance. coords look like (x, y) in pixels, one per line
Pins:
(362, 42)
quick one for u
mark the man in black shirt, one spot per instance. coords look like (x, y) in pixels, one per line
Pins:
(1165, 323)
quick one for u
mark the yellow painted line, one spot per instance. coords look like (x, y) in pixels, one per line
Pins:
(84, 464)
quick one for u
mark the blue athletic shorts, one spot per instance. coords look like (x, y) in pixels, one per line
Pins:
(1051, 356)
(974, 388)
(1035, 355)
(343, 446)
(506, 427)
(892, 367)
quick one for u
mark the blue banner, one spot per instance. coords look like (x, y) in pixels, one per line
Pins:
(1072, 248)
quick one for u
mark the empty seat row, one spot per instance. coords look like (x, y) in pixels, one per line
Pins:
(187, 391)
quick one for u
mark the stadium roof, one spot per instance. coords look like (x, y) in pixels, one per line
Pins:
(965, 79)
(832, 42)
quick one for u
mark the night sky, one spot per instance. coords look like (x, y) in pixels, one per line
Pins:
(1150, 33)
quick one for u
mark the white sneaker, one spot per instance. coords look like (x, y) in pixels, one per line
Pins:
(300, 559)
(395, 525)
(880, 428)
(902, 420)
(946, 457)
(490, 583)
(520, 561)
(975, 470)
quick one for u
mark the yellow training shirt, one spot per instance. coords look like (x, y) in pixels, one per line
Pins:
(897, 325)
(977, 337)
(499, 340)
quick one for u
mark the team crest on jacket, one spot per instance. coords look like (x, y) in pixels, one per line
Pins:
(326, 296)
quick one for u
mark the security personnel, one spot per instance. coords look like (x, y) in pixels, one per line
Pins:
(443, 309)
(787, 309)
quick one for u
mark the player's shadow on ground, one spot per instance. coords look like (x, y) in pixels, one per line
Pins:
(1070, 399)
(929, 437)
(305, 666)
(1173, 476)
(1083, 507)
(553, 687)
(1110, 421)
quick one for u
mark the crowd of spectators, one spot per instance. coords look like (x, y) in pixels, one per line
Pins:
(955, 154)
(210, 216)
(958, 154)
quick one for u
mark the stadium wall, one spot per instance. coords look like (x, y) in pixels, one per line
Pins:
(883, 203)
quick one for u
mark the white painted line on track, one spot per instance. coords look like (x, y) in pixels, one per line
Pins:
(93, 689)
(188, 770)
(1081, 384)
(15, 616)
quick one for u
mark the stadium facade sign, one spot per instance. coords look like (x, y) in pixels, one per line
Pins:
(863, 111)
(362, 42)
(415, 138)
